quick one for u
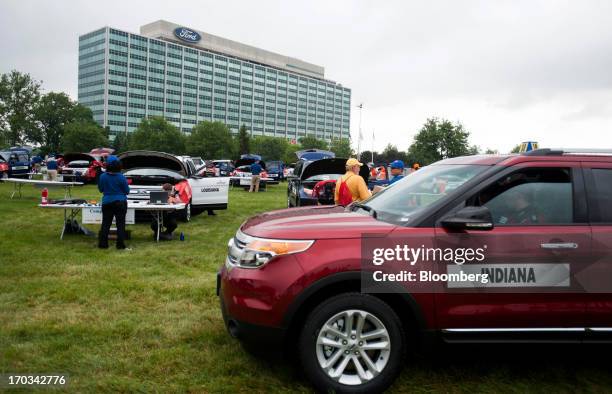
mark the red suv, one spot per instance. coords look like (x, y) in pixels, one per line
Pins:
(535, 229)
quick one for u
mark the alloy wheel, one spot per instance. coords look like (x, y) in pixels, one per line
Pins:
(353, 347)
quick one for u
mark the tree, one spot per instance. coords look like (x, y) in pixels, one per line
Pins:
(83, 136)
(516, 149)
(211, 140)
(474, 150)
(289, 155)
(155, 133)
(19, 94)
(270, 148)
(310, 142)
(244, 140)
(52, 113)
(437, 140)
(121, 142)
(341, 147)
(391, 153)
(490, 151)
(366, 156)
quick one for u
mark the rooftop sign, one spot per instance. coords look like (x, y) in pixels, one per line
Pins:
(187, 35)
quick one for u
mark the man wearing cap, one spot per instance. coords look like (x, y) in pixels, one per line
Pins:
(355, 183)
(397, 171)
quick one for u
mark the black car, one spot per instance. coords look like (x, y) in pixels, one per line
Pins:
(308, 173)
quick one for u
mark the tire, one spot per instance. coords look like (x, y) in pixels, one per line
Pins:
(186, 213)
(382, 365)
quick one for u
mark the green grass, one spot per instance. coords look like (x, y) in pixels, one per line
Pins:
(148, 319)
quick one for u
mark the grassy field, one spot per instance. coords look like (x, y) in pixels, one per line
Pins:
(148, 320)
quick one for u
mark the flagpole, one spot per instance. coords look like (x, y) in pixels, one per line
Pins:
(372, 145)
(360, 106)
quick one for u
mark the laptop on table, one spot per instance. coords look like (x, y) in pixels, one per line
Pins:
(158, 198)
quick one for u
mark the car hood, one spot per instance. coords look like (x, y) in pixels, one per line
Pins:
(314, 154)
(151, 159)
(330, 166)
(324, 222)
(247, 161)
(69, 157)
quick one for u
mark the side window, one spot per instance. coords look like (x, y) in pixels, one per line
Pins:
(530, 196)
(602, 195)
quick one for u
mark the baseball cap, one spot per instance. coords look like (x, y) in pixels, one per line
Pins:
(112, 159)
(353, 162)
(397, 164)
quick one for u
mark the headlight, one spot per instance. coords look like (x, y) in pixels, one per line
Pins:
(258, 252)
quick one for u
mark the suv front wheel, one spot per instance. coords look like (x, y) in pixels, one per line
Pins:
(352, 343)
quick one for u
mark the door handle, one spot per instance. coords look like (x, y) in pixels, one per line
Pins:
(561, 245)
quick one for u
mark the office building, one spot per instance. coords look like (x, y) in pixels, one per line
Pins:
(188, 76)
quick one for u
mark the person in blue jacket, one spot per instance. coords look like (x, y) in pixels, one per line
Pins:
(114, 187)
(397, 171)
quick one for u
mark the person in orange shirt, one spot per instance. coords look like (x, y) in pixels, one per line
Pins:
(355, 183)
(373, 172)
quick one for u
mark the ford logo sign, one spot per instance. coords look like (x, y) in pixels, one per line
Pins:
(187, 35)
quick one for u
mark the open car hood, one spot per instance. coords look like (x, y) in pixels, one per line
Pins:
(314, 154)
(247, 161)
(152, 159)
(68, 157)
(330, 166)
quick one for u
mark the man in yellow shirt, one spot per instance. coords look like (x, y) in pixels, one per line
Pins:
(355, 183)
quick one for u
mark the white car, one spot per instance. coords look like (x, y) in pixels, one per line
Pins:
(147, 171)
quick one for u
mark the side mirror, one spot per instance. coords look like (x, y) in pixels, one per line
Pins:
(470, 218)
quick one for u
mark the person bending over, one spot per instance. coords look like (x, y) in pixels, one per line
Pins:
(169, 217)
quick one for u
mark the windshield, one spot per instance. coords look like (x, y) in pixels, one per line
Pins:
(153, 172)
(399, 202)
(274, 166)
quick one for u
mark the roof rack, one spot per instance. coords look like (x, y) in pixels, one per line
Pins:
(560, 152)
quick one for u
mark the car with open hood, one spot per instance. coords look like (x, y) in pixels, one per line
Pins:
(4, 168)
(242, 168)
(147, 171)
(18, 160)
(324, 170)
(81, 167)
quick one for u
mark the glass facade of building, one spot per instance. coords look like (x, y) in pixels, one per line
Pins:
(125, 77)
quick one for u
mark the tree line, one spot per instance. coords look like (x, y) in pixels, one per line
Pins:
(51, 121)
(214, 140)
(55, 123)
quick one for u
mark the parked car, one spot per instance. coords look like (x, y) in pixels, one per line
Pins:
(81, 167)
(225, 167)
(293, 278)
(289, 170)
(242, 169)
(18, 160)
(4, 169)
(198, 162)
(276, 170)
(301, 186)
(147, 171)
